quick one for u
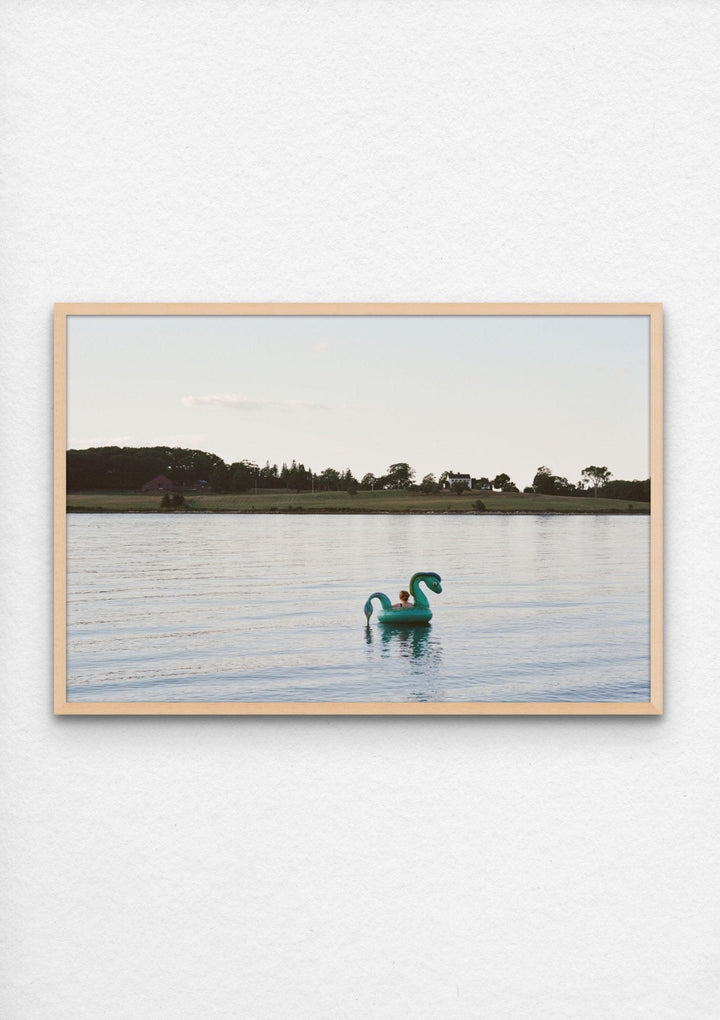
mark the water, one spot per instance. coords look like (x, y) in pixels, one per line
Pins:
(270, 608)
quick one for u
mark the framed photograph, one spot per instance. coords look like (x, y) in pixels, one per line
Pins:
(400, 509)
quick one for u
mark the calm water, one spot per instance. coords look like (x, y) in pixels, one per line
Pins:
(270, 608)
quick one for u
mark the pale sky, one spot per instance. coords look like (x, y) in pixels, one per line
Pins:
(475, 394)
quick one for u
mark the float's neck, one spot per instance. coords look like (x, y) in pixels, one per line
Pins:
(417, 593)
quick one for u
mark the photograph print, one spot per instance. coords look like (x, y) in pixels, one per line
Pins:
(358, 509)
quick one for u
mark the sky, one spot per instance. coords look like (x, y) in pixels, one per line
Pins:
(479, 395)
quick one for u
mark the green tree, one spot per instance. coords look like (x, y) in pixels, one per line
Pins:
(503, 482)
(86, 469)
(305, 478)
(563, 487)
(548, 484)
(428, 484)
(620, 488)
(349, 482)
(219, 478)
(329, 480)
(295, 477)
(598, 476)
(242, 475)
(129, 467)
(544, 481)
(186, 467)
(269, 476)
(399, 476)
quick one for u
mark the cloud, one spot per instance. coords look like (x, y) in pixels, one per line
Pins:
(298, 405)
(223, 400)
(238, 403)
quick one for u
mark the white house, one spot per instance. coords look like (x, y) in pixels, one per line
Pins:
(465, 479)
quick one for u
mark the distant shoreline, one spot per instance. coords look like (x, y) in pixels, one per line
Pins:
(385, 502)
(376, 513)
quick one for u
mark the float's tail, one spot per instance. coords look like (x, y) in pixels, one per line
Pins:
(384, 601)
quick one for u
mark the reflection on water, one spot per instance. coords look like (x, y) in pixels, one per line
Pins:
(410, 643)
(414, 648)
(269, 608)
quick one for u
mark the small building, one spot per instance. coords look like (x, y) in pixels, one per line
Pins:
(465, 479)
(160, 484)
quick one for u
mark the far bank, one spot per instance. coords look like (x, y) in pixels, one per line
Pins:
(363, 502)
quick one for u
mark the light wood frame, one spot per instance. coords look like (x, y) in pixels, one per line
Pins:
(653, 707)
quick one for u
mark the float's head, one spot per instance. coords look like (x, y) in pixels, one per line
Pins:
(432, 580)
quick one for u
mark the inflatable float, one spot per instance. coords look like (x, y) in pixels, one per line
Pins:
(420, 612)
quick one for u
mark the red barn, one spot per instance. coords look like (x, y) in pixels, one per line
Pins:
(160, 484)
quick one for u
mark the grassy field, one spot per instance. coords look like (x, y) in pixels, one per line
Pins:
(341, 502)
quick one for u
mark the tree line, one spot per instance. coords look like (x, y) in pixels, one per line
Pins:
(593, 480)
(129, 468)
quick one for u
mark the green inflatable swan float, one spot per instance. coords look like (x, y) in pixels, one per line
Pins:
(420, 612)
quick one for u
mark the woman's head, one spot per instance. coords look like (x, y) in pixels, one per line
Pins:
(404, 596)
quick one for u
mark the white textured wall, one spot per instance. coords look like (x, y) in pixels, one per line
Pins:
(355, 868)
